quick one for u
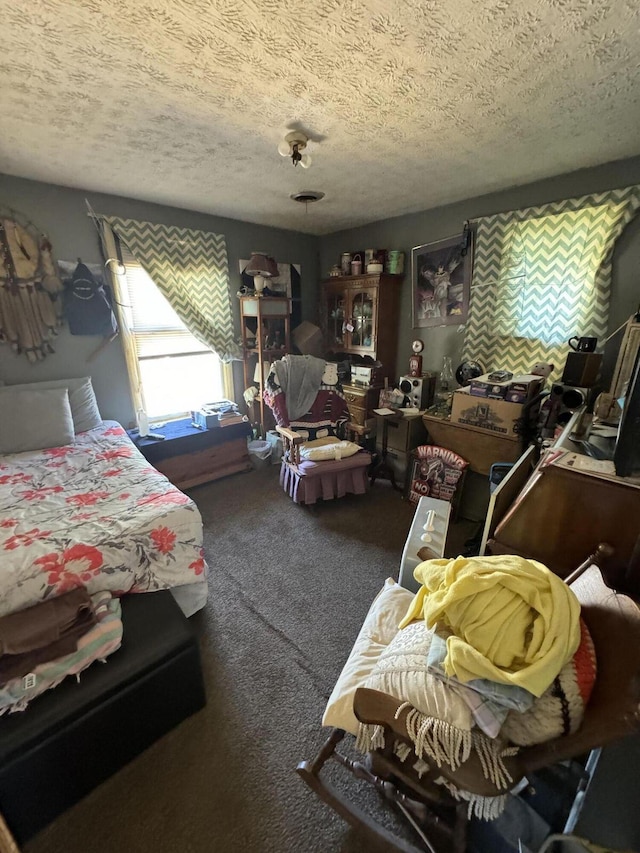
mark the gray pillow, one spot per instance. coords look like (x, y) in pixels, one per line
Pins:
(34, 420)
(84, 407)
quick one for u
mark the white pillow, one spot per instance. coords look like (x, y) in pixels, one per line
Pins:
(34, 420)
(321, 449)
(84, 407)
(378, 629)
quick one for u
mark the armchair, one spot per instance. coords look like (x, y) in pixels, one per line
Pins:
(321, 455)
(436, 798)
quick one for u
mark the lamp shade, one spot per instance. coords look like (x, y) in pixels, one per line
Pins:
(261, 264)
(275, 272)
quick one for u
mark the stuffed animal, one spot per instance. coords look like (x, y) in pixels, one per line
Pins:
(330, 375)
(543, 368)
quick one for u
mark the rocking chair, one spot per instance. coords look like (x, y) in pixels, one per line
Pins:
(438, 817)
(321, 455)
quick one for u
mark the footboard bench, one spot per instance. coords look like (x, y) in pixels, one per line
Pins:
(78, 734)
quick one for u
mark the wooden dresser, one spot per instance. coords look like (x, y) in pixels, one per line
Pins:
(565, 511)
(361, 402)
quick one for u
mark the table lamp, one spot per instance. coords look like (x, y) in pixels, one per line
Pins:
(261, 267)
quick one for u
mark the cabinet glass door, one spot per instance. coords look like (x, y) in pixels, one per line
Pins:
(363, 307)
(336, 320)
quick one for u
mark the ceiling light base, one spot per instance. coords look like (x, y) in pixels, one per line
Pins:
(296, 138)
(291, 146)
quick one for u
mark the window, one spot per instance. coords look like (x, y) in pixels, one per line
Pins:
(542, 275)
(548, 282)
(176, 372)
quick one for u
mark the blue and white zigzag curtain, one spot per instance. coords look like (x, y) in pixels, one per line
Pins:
(542, 275)
(190, 268)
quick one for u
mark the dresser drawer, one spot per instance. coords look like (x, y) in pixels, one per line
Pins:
(357, 414)
(202, 466)
(355, 396)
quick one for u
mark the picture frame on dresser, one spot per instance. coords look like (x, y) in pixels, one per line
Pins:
(441, 281)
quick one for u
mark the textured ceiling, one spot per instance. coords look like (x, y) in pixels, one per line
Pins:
(412, 103)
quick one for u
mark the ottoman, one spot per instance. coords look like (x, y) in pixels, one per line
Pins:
(75, 736)
(308, 481)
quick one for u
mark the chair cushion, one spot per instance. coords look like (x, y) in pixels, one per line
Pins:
(378, 629)
(323, 449)
(309, 468)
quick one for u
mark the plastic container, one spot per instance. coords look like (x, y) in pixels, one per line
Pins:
(275, 442)
(259, 453)
(143, 423)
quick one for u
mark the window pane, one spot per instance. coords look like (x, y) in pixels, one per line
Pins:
(173, 386)
(167, 343)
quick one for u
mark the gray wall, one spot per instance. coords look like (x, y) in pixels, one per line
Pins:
(61, 213)
(404, 232)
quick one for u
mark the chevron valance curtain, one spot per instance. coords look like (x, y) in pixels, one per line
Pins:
(190, 268)
(541, 275)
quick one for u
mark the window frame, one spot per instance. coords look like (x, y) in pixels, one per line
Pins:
(131, 336)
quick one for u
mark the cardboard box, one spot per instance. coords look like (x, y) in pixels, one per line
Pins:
(489, 415)
(308, 339)
(518, 389)
(523, 387)
(482, 386)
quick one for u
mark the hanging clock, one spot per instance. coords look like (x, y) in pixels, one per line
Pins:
(415, 361)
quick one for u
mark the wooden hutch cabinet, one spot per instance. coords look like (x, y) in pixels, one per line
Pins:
(359, 317)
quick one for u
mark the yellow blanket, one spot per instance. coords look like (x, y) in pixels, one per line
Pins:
(511, 620)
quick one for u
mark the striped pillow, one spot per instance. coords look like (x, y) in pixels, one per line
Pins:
(560, 709)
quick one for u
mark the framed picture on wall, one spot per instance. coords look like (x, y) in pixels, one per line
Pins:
(441, 281)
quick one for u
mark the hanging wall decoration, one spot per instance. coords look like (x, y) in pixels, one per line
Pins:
(30, 290)
(87, 299)
(441, 280)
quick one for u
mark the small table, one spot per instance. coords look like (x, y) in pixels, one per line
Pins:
(189, 456)
(381, 470)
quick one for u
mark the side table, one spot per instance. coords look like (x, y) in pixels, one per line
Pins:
(189, 456)
(381, 469)
(404, 433)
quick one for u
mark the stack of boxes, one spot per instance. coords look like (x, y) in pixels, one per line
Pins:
(494, 406)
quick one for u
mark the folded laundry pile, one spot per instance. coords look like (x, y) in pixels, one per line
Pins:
(490, 655)
(506, 619)
(41, 645)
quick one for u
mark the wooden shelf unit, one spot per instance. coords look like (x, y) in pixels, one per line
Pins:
(272, 317)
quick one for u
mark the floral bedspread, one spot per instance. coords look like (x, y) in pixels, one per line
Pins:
(93, 514)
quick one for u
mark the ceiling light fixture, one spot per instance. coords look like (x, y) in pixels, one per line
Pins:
(292, 145)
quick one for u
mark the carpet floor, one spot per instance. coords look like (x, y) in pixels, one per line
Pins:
(289, 588)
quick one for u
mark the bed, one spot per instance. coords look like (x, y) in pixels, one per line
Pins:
(95, 513)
